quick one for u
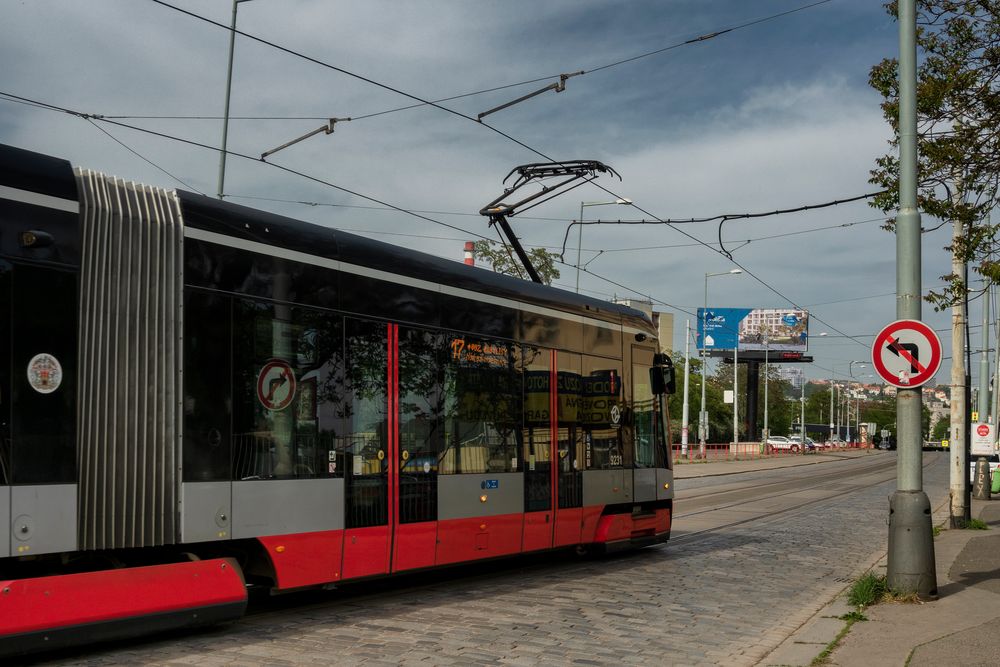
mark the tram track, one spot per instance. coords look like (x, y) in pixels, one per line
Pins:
(771, 513)
(793, 486)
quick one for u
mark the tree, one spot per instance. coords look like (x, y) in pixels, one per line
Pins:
(503, 260)
(958, 126)
(941, 428)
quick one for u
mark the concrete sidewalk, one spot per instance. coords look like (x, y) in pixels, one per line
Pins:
(962, 627)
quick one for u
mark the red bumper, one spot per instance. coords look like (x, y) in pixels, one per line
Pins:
(63, 610)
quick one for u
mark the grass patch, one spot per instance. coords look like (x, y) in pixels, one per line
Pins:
(936, 530)
(855, 616)
(974, 524)
(867, 590)
(822, 657)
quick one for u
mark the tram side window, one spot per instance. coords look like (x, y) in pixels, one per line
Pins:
(536, 433)
(650, 442)
(5, 396)
(482, 411)
(288, 392)
(601, 415)
(43, 375)
(207, 386)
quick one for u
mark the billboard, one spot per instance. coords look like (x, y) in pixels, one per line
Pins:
(753, 329)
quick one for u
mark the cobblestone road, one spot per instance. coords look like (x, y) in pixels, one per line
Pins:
(722, 598)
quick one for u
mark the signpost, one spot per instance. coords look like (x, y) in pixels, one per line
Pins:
(983, 440)
(906, 354)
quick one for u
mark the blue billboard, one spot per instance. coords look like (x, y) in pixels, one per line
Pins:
(719, 328)
(753, 329)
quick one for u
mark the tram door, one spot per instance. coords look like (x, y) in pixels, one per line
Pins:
(367, 536)
(416, 419)
(537, 440)
(395, 405)
(570, 451)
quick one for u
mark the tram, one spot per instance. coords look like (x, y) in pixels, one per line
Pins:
(198, 397)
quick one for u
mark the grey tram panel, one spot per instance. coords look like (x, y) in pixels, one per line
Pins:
(599, 487)
(206, 511)
(43, 519)
(280, 507)
(645, 484)
(664, 476)
(130, 331)
(460, 496)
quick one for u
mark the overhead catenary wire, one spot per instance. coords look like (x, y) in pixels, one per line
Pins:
(191, 142)
(511, 138)
(84, 115)
(598, 68)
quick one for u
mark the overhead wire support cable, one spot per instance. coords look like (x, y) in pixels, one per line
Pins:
(326, 129)
(558, 87)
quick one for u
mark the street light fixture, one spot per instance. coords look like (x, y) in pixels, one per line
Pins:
(702, 415)
(579, 237)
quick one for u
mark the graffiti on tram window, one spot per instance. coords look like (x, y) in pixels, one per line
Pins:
(473, 351)
(482, 407)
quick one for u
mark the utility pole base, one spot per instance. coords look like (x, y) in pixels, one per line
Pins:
(911, 567)
(981, 486)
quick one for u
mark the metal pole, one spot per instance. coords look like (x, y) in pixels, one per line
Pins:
(579, 247)
(702, 416)
(996, 371)
(984, 360)
(832, 387)
(802, 413)
(767, 344)
(579, 235)
(687, 374)
(910, 567)
(229, 86)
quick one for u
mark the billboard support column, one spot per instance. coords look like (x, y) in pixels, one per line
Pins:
(736, 399)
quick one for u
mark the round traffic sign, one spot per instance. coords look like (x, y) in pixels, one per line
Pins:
(276, 385)
(983, 430)
(906, 353)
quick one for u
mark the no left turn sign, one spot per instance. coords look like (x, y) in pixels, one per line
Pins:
(906, 353)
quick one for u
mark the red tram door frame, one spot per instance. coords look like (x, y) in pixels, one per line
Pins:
(411, 545)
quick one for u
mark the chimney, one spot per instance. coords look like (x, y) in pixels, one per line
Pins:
(469, 259)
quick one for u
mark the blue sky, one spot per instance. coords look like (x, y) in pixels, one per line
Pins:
(774, 115)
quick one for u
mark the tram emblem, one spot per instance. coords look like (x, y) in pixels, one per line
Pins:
(276, 385)
(44, 373)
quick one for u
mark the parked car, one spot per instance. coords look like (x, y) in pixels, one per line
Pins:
(810, 445)
(778, 443)
(835, 441)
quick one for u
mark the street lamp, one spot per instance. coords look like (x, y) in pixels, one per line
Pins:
(229, 86)
(702, 415)
(579, 237)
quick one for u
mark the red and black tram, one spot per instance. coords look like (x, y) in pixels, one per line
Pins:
(197, 397)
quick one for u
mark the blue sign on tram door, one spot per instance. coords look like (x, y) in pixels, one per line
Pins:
(490, 484)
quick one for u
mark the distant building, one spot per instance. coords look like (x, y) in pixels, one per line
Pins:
(794, 375)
